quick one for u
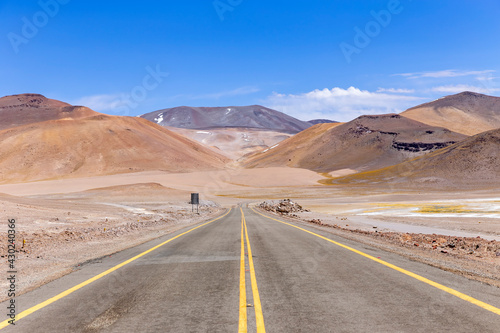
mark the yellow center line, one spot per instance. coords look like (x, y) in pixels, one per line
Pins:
(451, 291)
(29, 311)
(259, 317)
(242, 325)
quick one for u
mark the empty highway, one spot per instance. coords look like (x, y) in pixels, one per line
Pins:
(245, 272)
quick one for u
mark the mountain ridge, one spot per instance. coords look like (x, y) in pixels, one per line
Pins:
(87, 143)
(365, 143)
(467, 112)
(473, 162)
(252, 116)
(23, 109)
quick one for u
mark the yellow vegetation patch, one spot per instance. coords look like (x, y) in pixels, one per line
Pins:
(455, 209)
(444, 209)
(435, 208)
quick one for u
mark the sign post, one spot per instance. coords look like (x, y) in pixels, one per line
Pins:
(195, 200)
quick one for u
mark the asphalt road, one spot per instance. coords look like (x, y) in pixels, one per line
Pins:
(294, 281)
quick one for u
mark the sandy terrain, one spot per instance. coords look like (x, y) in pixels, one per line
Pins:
(342, 172)
(210, 183)
(458, 217)
(68, 221)
(57, 233)
(234, 142)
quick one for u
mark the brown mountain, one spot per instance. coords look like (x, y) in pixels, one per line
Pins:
(18, 110)
(472, 163)
(98, 144)
(366, 143)
(467, 113)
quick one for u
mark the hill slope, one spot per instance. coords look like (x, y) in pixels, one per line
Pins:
(474, 162)
(366, 143)
(467, 113)
(94, 145)
(234, 142)
(18, 110)
(254, 116)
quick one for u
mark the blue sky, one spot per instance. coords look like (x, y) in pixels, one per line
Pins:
(311, 59)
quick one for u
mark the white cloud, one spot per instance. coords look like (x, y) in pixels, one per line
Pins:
(458, 88)
(102, 103)
(339, 104)
(227, 93)
(396, 90)
(445, 74)
(486, 78)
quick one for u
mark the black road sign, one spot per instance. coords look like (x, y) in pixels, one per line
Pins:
(195, 198)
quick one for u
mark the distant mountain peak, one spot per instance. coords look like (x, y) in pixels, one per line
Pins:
(469, 93)
(321, 121)
(466, 112)
(22, 109)
(27, 95)
(252, 116)
(33, 100)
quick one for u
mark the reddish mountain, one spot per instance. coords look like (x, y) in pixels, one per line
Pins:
(467, 113)
(18, 110)
(472, 163)
(366, 143)
(65, 141)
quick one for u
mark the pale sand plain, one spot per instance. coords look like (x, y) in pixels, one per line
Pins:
(66, 222)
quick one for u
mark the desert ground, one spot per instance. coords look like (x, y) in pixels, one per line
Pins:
(83, 186)
(67, 222)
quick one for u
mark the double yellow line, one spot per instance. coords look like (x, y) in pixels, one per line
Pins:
(259, 318)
